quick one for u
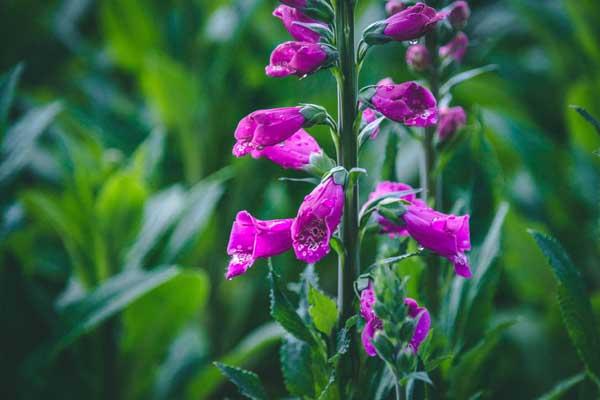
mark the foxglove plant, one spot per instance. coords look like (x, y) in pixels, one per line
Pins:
(393, 327)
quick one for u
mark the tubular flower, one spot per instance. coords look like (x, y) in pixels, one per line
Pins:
(289, 15)
(298, 58)
(451, 120)
(387, 187)
(408, 24)
(292, 153)
(251, 239)
(266, 128)
(456, 48)
(373, 323)
(408, 103)
(316, 221)
(418, 57)
(447, 235)
(459, 14)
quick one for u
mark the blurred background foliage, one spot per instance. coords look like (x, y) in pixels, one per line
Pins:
(119, 189)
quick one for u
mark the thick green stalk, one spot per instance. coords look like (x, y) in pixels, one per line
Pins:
(348, 157)
(347, 87)
(428, 181)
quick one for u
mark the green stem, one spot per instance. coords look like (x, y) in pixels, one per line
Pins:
(347, 88)
(428, 180)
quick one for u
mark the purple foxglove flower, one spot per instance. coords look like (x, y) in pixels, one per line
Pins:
(408, 24)
(251, 239)
(459, 14)
(408, 103)
(317, 219)
(423, 322)
(394, 7)
(298, 58)
(382, 189)
(451, 120)
(367, 302)
(266, 128)
(456, 48)
(418, 57)
(447, 235)
(289, 15)
(292, 153)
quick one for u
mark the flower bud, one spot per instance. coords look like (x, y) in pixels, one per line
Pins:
(394, 7)
(299, 58)
(290, 17)
(451, 120)
(459, 14)
(408, 103)
(408, 24)
(318, 9)
(456, 48)
(418, 58)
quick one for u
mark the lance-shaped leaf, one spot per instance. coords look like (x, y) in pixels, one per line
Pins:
(296, 364)
(560, 390)
(284, 312)
(322, 310)
(465, 76)
(247, 382)
(575, 305)
(8, 86)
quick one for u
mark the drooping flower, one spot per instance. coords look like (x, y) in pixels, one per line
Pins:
(408, 103)
(451, 120)
(408, 24)
(316, 221)
(290, 17)
(423, 322)
(374, 324)
(292, 153)
(385, 188)
(266, 128)
(456, 48)
(394, 6)
(447, 235)
(298, 58)
(459, 14)
(418, 57)
(252, 238)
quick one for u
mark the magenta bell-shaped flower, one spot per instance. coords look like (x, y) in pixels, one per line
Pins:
(373, 323)
(298, 58)
(266, 128)
(289, 16)
(251, 239)
(408, 24)
(456, 48)
(451, 120)
(447, 235)
(317, 219)
(408, 103)
(292, 153)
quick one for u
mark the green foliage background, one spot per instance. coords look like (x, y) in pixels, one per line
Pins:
(119, 189)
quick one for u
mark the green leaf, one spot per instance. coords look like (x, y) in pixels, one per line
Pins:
(207, 379)
(296, 365)
(145, 338)
(19, 142)
(322, 310)
(283, 311)
(148, 155)
(82, 315)
(465, 76)
(575, 305)
(588, 117)
(199, 206)
(8, 86)
(561, 389)
(247, 382)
